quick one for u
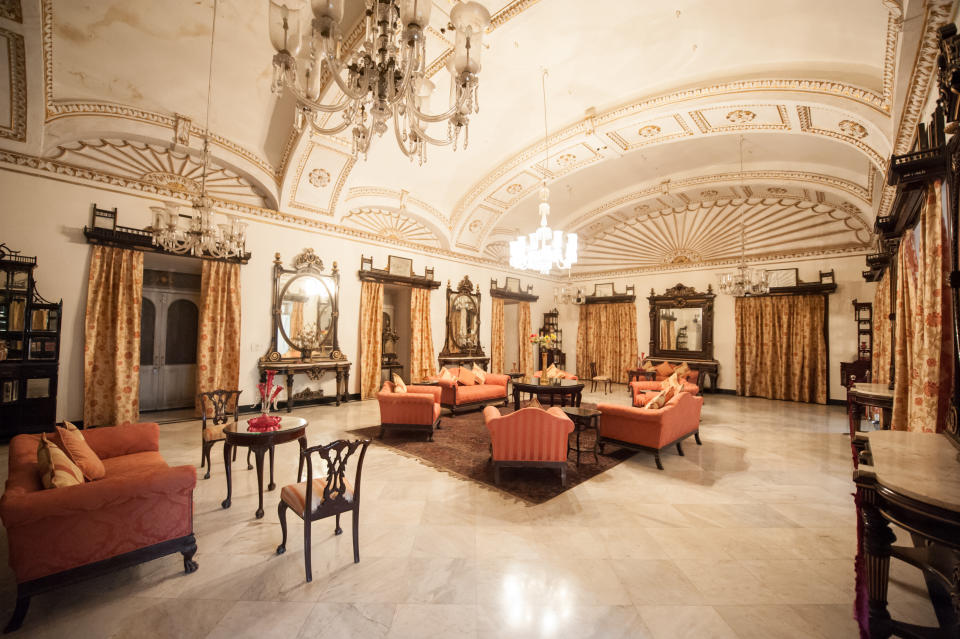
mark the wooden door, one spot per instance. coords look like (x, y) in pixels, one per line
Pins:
(168, 350)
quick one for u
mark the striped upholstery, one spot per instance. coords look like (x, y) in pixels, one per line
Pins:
(529, 434)
(213, 433)
(653, 428)
(295, 495)
(416, 406)
(454, 394)
(56, 468)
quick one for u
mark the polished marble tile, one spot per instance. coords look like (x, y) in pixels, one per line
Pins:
(673, 622)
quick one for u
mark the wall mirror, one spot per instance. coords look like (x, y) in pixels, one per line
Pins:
(305, 310)
(463, 320)
(681, 324)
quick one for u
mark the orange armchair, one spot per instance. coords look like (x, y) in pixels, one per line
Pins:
(651, 429)
(528, 437)
(455, 396)
(416, 410)
(142, 509)
(643, 391)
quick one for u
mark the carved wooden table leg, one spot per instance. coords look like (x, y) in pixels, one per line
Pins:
(516, 398)
(289, 392)
(271, 485)
(339, 381)
(258, 453)
(226, 469)
(877, 540)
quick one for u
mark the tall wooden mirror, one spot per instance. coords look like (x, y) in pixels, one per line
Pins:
(681, 324)
(462, 343)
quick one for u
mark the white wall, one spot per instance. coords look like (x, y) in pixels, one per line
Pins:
(842, 342)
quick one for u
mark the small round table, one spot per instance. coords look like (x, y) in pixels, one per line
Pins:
(584, 419)
(567, 388)
(236, 434)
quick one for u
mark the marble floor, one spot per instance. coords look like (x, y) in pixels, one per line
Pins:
(751, 535)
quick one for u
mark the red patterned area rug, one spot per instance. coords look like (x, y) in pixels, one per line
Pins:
(462, 447)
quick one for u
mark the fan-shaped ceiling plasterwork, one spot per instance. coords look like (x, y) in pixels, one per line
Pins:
(391, 225)
(160, 166)
(709, 233)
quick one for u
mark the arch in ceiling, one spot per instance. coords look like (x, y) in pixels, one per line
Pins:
(393, 225)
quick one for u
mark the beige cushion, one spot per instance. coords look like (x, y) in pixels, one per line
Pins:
(56, 469)
(80, 452)
(480, 374)
(552, 372)
(658, 400)
(213, 433)
(672, 382)
(648, 366)
(446, 374)
(682, 370)
(398, 385)
(295, 495)
(535, 403)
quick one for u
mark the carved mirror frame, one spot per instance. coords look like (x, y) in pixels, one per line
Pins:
(467, 288)
(681, 296)
(306, 263)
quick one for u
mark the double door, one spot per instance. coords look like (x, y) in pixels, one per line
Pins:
(168, 349)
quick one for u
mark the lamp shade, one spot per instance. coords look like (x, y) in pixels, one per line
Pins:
(332, 9)
(285, 28)
(415, 12)
(466, 50)
(470, 15)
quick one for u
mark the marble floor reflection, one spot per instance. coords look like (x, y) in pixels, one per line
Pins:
(750, 535)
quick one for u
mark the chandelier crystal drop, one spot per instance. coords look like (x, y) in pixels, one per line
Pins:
(197, 233)
(544, 248)
(384, 78)
(745, 281)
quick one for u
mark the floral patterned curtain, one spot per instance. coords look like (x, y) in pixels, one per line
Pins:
(218, 340)
(880, 364)
(497, 335)
(781, 349)
(371, 344)
(607, 336)
(423, 364)
(923, 338)
(111, 350)
(523, 339)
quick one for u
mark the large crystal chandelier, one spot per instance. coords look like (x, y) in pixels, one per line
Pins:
(197, 233)
(546, 247)
(385, 77)
(744, 281)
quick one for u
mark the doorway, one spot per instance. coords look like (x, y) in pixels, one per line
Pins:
(511, 336)
(396, 314)
(169, 325)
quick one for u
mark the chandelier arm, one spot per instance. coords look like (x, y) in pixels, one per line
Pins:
(301, 97)
(335, 70)
(429, 138)
(407, 83)
(427, 117)
(396, 132)
(331, 131)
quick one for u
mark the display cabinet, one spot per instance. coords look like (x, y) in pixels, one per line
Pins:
(29, 348)
(554, 354)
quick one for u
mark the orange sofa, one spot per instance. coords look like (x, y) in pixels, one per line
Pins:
(416, 410)
(651, 429)
(142, 509)
(642, 392)
(529, 437)
(455, 396)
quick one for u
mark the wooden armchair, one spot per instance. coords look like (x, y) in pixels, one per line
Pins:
(324, 497)
(219, 401)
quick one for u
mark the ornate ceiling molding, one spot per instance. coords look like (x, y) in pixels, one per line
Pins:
(11, 10)
(16, 128)
(158, 165)
(342, 174)
(806, 125)
(391, 225)
(360, 192)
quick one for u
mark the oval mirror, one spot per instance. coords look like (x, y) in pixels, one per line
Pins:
(306, 315)
(464, 321)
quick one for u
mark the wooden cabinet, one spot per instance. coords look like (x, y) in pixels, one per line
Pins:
(29, 349)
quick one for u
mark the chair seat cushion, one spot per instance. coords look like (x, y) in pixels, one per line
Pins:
(295, 495)
(601, 378)
(479, 393)
(213, 433)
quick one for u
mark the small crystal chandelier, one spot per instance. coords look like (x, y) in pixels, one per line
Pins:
(385, 77)
(744, 281)
(197, 233)
(546, 248)
(566, 293)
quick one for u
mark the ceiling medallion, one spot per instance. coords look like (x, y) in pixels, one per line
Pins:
(649, 131)
(740, 116)
(546, 247)
(566, 158)
(776, 190)
(853, 129)
(172, 181)
(474, 226)
(385, 77)
(514, 188)
(319, 178)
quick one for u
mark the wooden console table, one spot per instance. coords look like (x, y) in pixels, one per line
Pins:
(465, 361)
(860, 395)
(911, 480)
(313, 370)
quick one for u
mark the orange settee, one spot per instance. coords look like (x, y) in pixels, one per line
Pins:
(642, 392)
(529, 437)
(418, 409)
(142, 509)
(455, 396)
(651, 429)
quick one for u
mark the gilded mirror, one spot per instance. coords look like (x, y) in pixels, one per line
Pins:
(463, 320)
(681, 324)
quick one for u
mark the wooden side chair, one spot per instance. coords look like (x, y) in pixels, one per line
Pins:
(324, 497)
(220, 401)
(603, 380)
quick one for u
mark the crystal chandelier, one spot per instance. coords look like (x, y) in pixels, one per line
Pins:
(546, 247)
(196, 233)
(567, 294)
(744, 281)
(385, 77)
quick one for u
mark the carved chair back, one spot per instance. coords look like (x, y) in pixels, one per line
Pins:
(220, 401)
(335, 456)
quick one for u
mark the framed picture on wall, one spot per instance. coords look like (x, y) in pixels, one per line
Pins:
(513, 284)
(400, 266)
(603, 290)
(782, 277)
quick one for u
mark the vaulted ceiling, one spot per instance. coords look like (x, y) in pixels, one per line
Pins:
(648, 103)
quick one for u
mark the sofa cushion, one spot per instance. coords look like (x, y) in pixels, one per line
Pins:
(56, 468)
(534, 403)
(552, 372)
(446, 374)
(79, 451)
(682, 369)
(295, 495)
(479, 393)
(648, 365)
(479, 373)
(466, 377)
(664, 369)
(398, 385)
(134, 464)
(657, 401)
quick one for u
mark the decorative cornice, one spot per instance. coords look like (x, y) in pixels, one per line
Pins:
(806, 125)
(17, 130)
(377, 191)
(11, 10)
